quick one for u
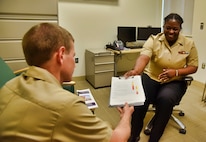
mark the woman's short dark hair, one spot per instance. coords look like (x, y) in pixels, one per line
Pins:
(175, 16)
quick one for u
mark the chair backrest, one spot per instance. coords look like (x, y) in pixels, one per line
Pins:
(6, 73)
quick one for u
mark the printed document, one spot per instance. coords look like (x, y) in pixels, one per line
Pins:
(128, 90)
(89, 99)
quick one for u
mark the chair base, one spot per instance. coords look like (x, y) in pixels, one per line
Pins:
(182, 129)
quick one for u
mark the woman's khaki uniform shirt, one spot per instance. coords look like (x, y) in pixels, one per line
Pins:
(181, 54)
(34, 107)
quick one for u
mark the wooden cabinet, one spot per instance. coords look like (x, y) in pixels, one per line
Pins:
(99, 67)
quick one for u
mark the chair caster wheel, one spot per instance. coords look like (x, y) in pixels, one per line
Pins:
(181, 113)
(147, 131)
(182, 131)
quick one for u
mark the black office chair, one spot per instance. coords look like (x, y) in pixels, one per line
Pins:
(182, 128)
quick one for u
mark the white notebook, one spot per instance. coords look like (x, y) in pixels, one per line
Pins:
(128, 90)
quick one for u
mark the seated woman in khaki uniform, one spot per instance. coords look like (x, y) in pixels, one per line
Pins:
(164, 60)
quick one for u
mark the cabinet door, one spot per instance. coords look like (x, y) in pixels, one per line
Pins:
(104, 67)
(103, 59)
(11, 49)
(103, 79)
(14, 29)
(16, 18)
(46, 7)
(99, 67)
(104, 70)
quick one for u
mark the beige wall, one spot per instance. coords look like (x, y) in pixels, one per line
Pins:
(200, 36)
(95, 24)
(184, 8)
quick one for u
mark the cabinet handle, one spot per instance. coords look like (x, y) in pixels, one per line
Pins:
(104, 71)
(105, 63)
(104, 54)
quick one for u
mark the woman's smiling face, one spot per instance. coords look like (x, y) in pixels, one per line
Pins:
(171, 30)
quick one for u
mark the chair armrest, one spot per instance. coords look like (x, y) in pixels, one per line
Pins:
(18, 72)
(188, 79)
(69, 83)
(69, 86)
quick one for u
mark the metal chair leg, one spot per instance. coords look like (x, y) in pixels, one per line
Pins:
(182, 129)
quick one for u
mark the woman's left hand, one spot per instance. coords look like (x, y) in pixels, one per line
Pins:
(166, 74)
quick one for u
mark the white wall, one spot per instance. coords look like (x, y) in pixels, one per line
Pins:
(95, 24)
(185, 9)
(199, 37)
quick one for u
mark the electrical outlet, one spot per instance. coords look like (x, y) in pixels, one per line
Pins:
(201, 26)
(76, 60)
(203, 65)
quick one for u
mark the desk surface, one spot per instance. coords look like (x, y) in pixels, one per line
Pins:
(124, 60)
(127, 51)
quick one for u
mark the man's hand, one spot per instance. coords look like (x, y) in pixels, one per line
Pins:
(122, 132)
(126, 110)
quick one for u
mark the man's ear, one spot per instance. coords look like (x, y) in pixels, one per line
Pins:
(60, 54)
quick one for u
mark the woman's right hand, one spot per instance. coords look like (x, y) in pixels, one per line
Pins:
(130, 73)
(140, 64)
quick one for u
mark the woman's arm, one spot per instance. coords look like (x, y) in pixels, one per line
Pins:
(169, 73)
(141, 63)
(186, 71)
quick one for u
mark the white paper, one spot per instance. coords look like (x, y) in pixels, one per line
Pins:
(89, 99)
(128, 90)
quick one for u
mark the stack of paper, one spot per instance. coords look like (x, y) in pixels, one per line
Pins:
(89, 99)
(128, 90)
